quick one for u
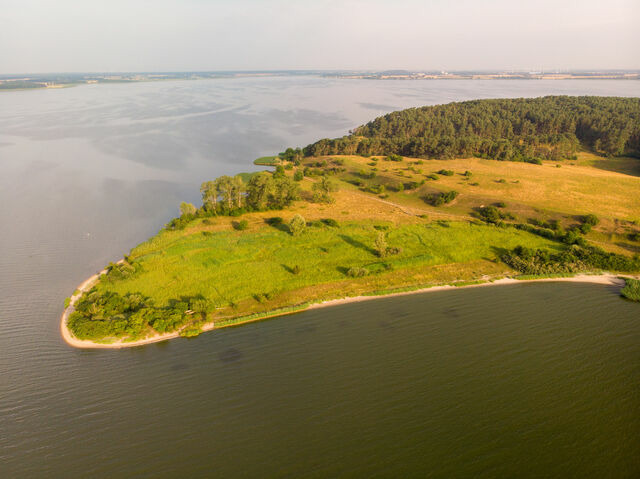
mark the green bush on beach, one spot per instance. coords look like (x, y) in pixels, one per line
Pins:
(631, 289)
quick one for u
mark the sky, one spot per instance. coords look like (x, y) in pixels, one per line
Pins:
(40, 36)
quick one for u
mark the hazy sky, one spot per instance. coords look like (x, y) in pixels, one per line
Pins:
(179, 35)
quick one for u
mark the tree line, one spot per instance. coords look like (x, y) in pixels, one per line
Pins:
(520, 129)
(231, 196)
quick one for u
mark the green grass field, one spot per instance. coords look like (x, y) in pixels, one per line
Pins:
(230, 267)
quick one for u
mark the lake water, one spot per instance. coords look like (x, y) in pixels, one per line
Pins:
(535, 380)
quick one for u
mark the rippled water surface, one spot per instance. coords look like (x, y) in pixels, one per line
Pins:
(532, 380)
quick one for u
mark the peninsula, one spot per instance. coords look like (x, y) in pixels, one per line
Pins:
(469, 193)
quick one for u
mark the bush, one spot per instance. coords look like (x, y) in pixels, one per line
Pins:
(393, 158)
(240, 225)
(491, 214)
(433, 176)
(445, 172)
(298, 175)
(439, 199)
(297, 225)
(588, 222)
(573, 259)
(295, 269)
(355, 272)
(631, 289)
(381, 244)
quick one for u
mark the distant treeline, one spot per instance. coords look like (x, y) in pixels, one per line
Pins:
(521, 129)
(19, 84)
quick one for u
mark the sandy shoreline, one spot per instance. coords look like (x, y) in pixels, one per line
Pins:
(605, 279)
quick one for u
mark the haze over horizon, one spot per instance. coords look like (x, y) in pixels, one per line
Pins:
(37, 36)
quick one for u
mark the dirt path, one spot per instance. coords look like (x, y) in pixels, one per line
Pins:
(413, 211)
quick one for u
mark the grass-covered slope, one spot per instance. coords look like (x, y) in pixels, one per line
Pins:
(523, 129)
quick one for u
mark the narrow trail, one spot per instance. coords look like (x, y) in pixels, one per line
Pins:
(412, 211)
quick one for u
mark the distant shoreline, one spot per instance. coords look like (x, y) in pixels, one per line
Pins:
(71, 340)
(64, 80)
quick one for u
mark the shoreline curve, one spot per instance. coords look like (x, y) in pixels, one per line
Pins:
(71, 340)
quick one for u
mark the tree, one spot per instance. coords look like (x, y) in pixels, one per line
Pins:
(283, 193)
(259, 190)
(381, 244)
(322, 190)
(209, 190)
(297, 225)
(279, 171)
(226, 186)
(201, 306)
(239, 190)
(187, 209)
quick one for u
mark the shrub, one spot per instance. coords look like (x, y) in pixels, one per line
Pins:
(381, 246)
(588, 222)
(468, 174)
(445, 172)
(295, 269)
(393, 158)
(355, 272)
(491, 214)
(573, 259)
(187, 209)
(297, 225)
(631, 289)
(433, 177)
(240, 225)
(501, 204)
(298, 175)
(439, 199)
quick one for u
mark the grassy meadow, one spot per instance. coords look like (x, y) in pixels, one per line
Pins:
(236, 267)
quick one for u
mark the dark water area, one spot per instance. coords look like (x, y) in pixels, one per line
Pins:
(514, 381)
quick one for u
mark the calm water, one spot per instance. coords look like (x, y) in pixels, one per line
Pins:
(527, 380)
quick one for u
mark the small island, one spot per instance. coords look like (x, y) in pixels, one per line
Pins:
(464, 194)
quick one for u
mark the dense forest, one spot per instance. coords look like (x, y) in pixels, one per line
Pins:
(521, 129)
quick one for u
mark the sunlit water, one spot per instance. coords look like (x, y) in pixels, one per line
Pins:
(537, 380)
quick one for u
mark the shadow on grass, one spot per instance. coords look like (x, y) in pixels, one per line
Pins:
(499, 252)
(277, 223)
(357, 244)
(627, 166)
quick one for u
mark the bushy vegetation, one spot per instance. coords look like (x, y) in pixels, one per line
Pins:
(322, 190)
(297, 225)
(531, 129)
(439, 199)
(631, 289)
(570, 260)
